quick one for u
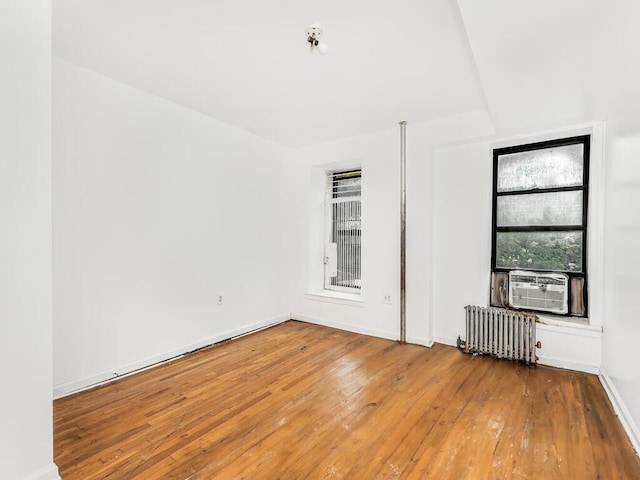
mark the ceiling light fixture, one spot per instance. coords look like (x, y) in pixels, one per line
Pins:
(313, 33)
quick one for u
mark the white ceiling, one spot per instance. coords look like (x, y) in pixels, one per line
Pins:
(246, 62)
(533, 64)
(547, 64)
(534, 58)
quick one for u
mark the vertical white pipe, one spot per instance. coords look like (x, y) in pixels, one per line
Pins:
(403, 231)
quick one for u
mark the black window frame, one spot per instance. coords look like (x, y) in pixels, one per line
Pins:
(584, 140)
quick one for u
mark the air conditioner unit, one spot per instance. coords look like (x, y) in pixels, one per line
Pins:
(547, 292)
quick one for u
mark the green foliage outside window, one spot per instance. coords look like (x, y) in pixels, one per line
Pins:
(555, 251)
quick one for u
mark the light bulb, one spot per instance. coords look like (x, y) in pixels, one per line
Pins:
(323, 48)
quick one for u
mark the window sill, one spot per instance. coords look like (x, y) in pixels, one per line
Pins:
(342, 298)
(568, 322)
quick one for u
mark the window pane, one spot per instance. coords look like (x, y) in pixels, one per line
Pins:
(546, 168)
(556, 208)
(556, 251)
(346, 184)
(346, 234)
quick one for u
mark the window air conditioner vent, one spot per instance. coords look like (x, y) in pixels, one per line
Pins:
(539, 291)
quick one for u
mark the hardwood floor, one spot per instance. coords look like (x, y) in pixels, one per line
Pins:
(300, 401)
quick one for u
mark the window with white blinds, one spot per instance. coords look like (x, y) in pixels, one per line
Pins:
(344, 237)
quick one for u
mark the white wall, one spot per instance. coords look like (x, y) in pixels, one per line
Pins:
(379, 156)
(25, 243)
(616, 61)
(462, 235)
(376, 155)
(157, 210)
(622, 274)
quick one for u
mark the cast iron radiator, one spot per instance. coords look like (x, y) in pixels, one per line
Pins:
(500, 332)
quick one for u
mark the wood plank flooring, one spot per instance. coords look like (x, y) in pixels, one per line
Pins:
(300, 401)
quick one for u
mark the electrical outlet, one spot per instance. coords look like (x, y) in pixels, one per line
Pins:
(386, 298)
(220, 300)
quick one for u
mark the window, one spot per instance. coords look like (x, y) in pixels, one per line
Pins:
(343, 244)
(540, 194)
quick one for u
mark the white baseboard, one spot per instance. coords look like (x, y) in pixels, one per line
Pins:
(452, 341)
(118, 372)
(621, 410)
(49, 473)
(422, 341)
(568, 365)
(345, 326)
(542, 360)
